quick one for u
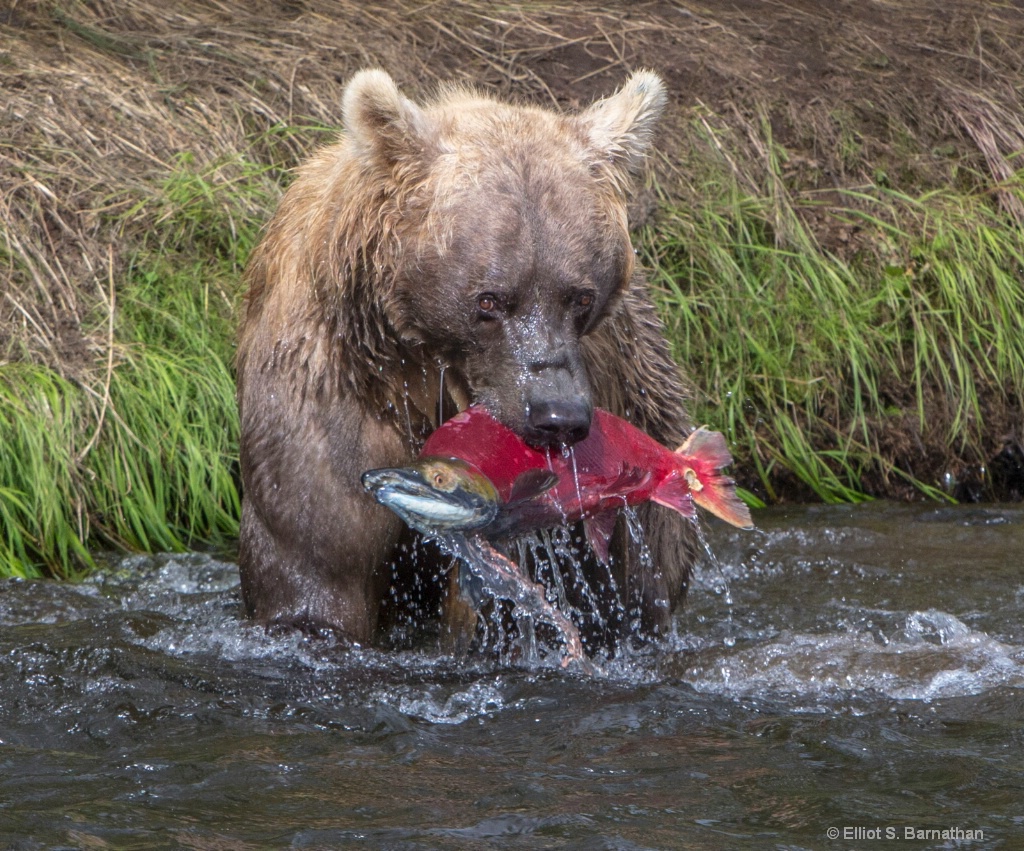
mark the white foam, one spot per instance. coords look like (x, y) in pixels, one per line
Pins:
(931, 655)
(431, 704)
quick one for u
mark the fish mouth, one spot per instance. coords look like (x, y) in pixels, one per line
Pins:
(426, 508)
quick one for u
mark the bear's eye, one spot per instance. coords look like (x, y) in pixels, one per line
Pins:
(487, 304)
(583, 301)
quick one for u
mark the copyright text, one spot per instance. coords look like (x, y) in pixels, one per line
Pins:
(905, 832)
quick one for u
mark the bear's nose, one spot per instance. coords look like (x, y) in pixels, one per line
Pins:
(557, 423)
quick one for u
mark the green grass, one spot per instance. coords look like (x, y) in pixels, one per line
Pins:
(142, 454)
(812, 363)
(154, 473)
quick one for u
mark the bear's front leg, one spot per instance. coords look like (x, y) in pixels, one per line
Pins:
(315, 551)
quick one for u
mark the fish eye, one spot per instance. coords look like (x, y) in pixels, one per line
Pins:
(441, 479)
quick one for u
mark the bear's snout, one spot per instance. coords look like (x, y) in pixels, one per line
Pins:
(557, 400)
(558, 422)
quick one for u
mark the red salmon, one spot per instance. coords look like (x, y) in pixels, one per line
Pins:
(476, 474)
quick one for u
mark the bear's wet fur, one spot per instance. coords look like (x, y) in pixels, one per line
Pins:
(462, 251)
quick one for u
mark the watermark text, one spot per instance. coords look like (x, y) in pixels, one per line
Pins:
(906, 831)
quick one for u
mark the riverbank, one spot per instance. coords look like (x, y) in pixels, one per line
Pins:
(832, 226)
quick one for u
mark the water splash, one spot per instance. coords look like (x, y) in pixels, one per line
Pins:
(648, 567)
(436, 704)
(505, 580)
(931, 655)
(570, 453)
(719, 583)
(442, 367)
(409, 433)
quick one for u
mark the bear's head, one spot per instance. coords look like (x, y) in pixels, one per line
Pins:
(507, 236)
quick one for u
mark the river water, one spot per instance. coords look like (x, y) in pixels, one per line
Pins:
(849, 672)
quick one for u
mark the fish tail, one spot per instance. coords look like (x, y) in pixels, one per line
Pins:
(701, 458)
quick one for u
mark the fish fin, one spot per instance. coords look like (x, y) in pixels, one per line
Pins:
(628, 479)
(676, 494)
(715, 493)
(532, 483)
(710, 446)
(599, 528)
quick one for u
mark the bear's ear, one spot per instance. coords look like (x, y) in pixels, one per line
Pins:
(386, 125)
(620, 126)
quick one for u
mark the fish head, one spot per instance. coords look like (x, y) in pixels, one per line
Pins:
(436, 495)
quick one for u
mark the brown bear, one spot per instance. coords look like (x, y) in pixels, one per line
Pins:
(462, 251)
